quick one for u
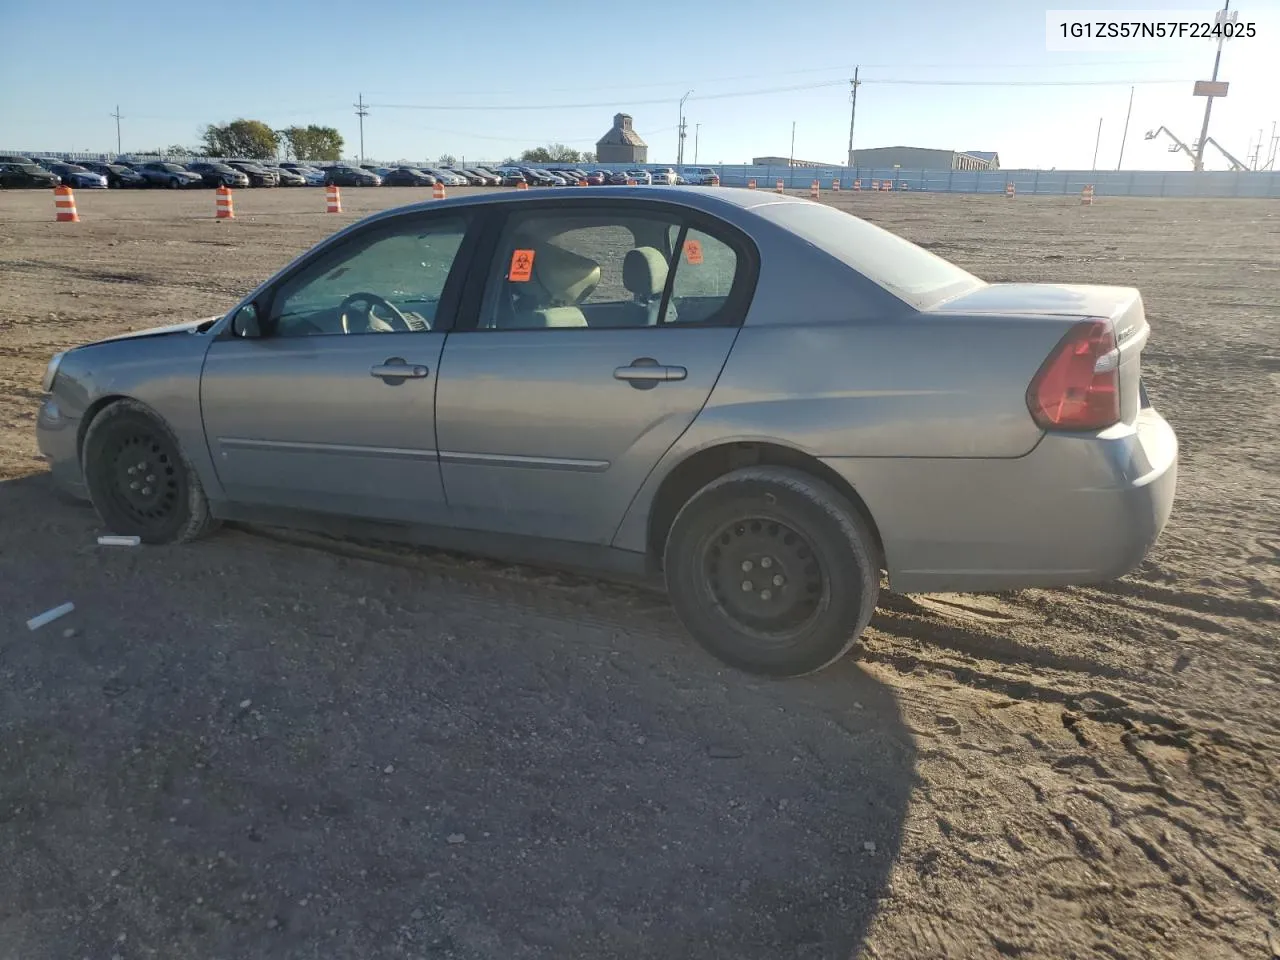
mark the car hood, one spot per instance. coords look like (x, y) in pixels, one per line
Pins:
(165, 331)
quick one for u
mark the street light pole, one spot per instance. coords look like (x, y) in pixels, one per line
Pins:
(697, 128)
(680, 149)
(1208, 103)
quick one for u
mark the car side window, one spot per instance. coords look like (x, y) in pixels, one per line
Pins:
(704, 276)
(604, 269)
(386, 280)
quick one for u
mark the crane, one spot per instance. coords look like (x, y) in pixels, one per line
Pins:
(1178, 145)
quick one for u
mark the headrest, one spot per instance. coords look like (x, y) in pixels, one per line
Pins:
(644, 272)
(563, 279)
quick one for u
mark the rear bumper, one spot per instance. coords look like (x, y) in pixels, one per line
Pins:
(1076, 510)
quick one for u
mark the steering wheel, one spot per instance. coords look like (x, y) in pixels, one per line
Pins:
(397, 323)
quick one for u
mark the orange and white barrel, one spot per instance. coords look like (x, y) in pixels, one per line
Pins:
(1086, 196)
(223, 209)
(64, 205)
(522, 185)
(333, 199)
(1010, 190)
(815, 189)
(778, 187)
(835, 186)
(875, 184)
(857, 186)
(751, 184)
(437, 192)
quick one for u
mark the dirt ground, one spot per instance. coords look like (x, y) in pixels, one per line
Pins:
(267, 745)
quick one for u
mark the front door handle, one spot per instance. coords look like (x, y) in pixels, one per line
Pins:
(396, 369)
(645, 371)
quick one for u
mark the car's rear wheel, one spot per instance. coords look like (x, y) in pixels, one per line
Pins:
(772, 570)
(139, 481)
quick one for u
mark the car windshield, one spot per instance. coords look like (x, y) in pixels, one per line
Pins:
(251, 166)
(172, 168)
(69, 168)
(218, 167)
(910, 272)
(28, 168)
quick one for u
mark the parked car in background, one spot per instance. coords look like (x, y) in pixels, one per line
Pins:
(665, 175)
(344, 176)
(448, 177)
(17, 176)
(117, 174)
(597, 178)
(259, 176)
(640, 176)
(77, 177)
(313, 176)
(701, 176)
(45, 162)
(483, 179)
(162, 173)
(218, 174)
(288, 178)
(612, 178)
(538, 178)
(697, 425)
(512, 177)
(408, 177)
(473, 179)
(18, 159)
(493, 176)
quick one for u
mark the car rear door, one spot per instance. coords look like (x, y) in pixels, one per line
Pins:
(573, 369)
(324, 415)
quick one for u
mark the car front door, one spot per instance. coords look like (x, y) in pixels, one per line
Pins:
(332, 407)
(586, 351)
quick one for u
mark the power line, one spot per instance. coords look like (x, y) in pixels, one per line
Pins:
(770, 90)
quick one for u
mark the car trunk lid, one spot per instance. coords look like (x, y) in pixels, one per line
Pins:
(1122, 306)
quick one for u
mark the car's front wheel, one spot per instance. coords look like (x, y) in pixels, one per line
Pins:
(139, 481)
(772, 570)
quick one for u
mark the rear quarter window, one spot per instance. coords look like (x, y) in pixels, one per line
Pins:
(910, 272)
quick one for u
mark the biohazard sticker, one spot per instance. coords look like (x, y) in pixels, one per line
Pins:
(693, 252)
(521, 266)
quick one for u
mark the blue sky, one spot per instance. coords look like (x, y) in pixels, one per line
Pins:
(516, 77)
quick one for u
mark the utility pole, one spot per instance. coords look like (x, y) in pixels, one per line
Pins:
(118, 119)
(1221, 19)
(792, 163)
(1125, 135)
(680, 147)
(697, 128)
(853, 111)
(1096, 143)
(361, 111)
(1271, 148)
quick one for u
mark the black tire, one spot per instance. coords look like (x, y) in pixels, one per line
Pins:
(168, 505)
(174, 183)
(824, 563)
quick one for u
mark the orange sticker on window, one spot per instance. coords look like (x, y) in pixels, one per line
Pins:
(693, 252)
(521, 266)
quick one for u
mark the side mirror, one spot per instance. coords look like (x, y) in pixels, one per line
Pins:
(245, 324)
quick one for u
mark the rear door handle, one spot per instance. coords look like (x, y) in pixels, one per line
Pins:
(395, 368)
(646, 370)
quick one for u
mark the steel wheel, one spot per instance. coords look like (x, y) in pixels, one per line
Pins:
(772, 570)
(764, 576)
(138, 479)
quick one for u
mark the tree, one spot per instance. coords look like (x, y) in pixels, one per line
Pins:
(447, 160)
(313, 142)
(240, 138)
(178, 150)
(554, 153)
(588, 157)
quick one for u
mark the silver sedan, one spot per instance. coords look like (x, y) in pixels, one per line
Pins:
(764, 400)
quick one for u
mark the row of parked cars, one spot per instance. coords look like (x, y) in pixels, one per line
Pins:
(18, 171)
(372, 175)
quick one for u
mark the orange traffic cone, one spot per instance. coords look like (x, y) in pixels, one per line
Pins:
(64, 205)
(224, 210)
(333, 199)
(437, 192)
(583, 182)
(521, 185)
(751, 184)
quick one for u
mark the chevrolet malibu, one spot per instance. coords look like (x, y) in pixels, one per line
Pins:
(765, 401)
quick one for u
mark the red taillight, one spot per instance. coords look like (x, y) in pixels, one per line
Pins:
(1078, 387)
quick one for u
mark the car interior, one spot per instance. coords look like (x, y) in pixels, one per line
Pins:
(590, 273)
